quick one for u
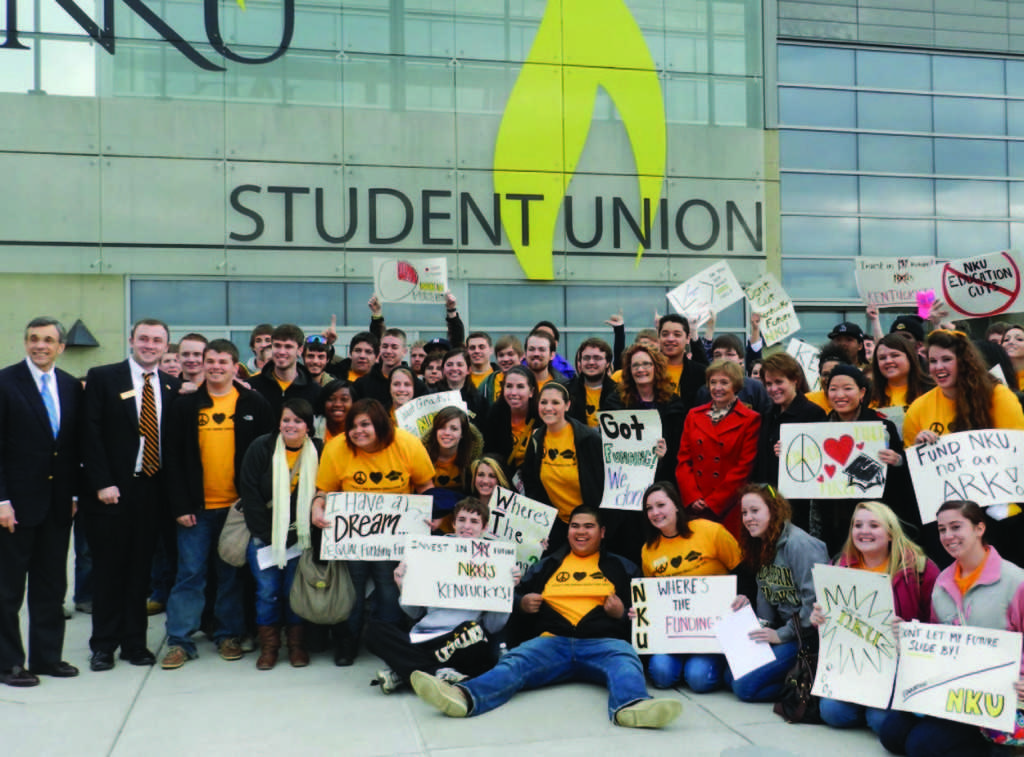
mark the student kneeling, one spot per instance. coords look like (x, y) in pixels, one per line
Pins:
(577, 597)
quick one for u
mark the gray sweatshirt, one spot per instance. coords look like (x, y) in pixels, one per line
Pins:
(785, 588)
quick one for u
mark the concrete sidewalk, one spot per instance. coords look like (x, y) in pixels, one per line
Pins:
(213, 707)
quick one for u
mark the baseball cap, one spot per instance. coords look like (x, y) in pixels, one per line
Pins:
(910, 324)
(846, 328)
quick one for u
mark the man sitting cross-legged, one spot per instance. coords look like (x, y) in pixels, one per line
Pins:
(577, 599)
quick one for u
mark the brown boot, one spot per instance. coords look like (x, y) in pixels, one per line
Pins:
(297, 654)
(270, 642)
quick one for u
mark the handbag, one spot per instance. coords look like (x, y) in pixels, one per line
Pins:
(234, 537)
(795, 703)
(322, 591)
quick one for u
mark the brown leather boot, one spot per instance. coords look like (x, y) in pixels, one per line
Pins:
(297, 654)
(270, 642)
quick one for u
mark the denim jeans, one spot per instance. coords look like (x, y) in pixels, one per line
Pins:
(196, 546)
(273, 585)
(385, 593)
(83, 564)
(840, 714)
(702, 672)
(764, 684)
(555, 659)
(917, 736)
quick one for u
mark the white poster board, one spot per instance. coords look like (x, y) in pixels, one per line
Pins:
(370, 526)
(464, 574)
(806, 354)
(743, 654)
(678, 614)
(893, 282)
(959, 673)
(523, 521)
(985, 466)
(981, 286)
(628, 442)
(778, 317)
(417, 415)
(710, 291)
(413, 281)
(832, 460)
(857, 656)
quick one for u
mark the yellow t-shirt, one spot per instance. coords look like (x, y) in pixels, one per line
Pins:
(593, 405)
(617, 376)
(882, 567)
(499, 381)
(290, 456)
(520, 438)
(479, 378)
(559, 471)
(675, 372)
(283, 384)
(396, 469)
(709, 551)
(577, 587)
(448, 475)
(540, 384)
(217, 451)
(1020, 380)
(933, 410)
(897, 396)
(819, 399)
(353, 376)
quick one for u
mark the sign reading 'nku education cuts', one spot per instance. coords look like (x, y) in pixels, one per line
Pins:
(679, 614)
(370, 526)
(628, 441)
(465, 574)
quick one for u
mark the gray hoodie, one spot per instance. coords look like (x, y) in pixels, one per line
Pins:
(785, 588)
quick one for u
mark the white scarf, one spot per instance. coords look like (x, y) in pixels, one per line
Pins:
(305, 469)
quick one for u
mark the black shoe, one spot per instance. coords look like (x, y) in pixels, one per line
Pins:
(101, 661)
(138, 657)
(56, 670)
(345, 651)
(18, 676)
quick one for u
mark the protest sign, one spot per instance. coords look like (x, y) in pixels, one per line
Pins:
(958, 673)
(832, 460)
(741, 652)
(628, 441)
(417, 415)
(523, 521)
(778, 318)
(892, 282)
(984, 466)
(857, 656)
(979, 287)
(679, 613)
(371, 526)
(412, 281)
(806, 354)
(710, 291)
(464, 574)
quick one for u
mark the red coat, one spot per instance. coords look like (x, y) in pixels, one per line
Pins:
(715, 460)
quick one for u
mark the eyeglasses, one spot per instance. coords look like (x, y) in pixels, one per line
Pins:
(637, 364)
(593, 359)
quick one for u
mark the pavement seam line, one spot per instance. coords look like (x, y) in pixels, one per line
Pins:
(138, 692)
(694, 701)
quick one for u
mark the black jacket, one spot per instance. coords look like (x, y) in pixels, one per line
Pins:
(690, 382)
(256, 488)
(303, 387)
(588, 461)
(800, 410)
(578, 397)
(375, 385)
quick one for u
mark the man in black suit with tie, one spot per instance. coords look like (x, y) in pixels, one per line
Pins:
(124, 410)
(39, 475)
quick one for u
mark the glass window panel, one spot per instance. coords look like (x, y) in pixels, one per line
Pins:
(816, 107)
(1016, 157)
(511, 306)
(894, 112)
(421, 318)
(799, 64)
(893, 70)
(818, 279)
(969, 115)
(731, 103)
(886, 236)
(894, 154)
(305, 302)
(816, 324)
(1015, 77)
(16, 71)
(973, 75)
(1015, 118)
(67, 68)
(1016, 199)
(686, 100)
(819, 236)
(970, 157)
(730, 56)
(896, 196)
(180, 302)
(819, 193)
(959, 239)
(1016, 235)
(815, 149)
(589, 306)
(970, 198)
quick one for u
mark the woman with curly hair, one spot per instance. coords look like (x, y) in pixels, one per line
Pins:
(646, 385)
(897, 378)
(452, 443)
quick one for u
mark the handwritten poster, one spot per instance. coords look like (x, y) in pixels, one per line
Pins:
(857, 656)
(465, 574)
(832, 460)
(710, 291)
(979, 287)
(368, 526)
(417, 415)
(778, 317)
(679, 614)
(806, 354)
(410, 280)
(523, 521)
(893, 282)
(959, 673)
(628, 441)
(985, 466)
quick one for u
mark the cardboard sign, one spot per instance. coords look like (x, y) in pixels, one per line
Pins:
(832, 460)
(985, 466)
(420, 281)
(628, 441)
(679, 614)
(417, 415)
(980, 286)
(893, 282)
(778, 318)
(741, 652)
(806, 354)
(857, 656)
(710, 291)
(465, 574)
(370, 526)
(523, 521)
(959, 673)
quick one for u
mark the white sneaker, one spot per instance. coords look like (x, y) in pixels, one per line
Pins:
(444, 696)
(388, 680)
(450, 675)
(649, 713)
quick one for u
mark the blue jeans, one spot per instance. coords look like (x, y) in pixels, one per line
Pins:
(196, 546)
(702, 672)
(839, 714)
(765, 683)
(273, 585)
(555, 659)
(385, 593)
(917, 736)
(83, 564)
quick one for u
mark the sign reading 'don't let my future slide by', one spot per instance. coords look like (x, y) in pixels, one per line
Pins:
(678, 614)
(832, 460)
(464, 574)
(628, 442)
(370, 526)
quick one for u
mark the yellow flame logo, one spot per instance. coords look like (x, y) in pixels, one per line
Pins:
(580, 45)
(241, 4)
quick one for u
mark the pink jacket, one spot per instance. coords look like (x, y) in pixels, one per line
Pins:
(911, 591)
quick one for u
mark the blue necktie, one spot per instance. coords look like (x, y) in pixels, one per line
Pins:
(51, 406)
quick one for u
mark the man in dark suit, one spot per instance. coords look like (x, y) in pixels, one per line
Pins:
(39, 473)
(124, 410)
